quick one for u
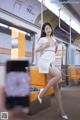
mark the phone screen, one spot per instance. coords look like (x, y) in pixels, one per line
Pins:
(17, 84)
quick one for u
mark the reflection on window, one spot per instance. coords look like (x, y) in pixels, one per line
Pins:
(5, 41)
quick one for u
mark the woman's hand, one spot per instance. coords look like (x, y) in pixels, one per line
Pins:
(42, 47)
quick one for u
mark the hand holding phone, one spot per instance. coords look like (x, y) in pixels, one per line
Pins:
(17, 84)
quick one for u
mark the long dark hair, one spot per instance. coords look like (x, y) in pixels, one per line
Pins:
(43, 34)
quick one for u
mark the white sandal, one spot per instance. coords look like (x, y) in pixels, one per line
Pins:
(40, 99)
(65, 117)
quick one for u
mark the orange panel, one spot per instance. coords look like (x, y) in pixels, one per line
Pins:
(21, 45)
(36, 77)
(37, 86)
(73, 73)
(33, 96)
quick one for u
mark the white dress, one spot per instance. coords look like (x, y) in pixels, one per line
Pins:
(47, 57)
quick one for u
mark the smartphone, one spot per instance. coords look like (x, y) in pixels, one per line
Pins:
(17, 84)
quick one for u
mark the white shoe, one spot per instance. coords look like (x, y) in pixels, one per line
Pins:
(40, 99)
(65, 117)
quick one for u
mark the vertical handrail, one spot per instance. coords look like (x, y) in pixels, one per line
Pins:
(70, 32)
(42, 13)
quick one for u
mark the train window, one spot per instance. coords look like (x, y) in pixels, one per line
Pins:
(77, 57)
(5, 45)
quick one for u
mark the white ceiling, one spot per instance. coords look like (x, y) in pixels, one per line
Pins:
(72, 5)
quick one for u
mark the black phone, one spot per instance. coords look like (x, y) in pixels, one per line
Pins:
(17, 84)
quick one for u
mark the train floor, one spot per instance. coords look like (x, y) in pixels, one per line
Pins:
(71, 102)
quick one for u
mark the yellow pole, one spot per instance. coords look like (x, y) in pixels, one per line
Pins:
(21, 45)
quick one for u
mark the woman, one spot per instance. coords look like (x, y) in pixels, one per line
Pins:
(47, 47)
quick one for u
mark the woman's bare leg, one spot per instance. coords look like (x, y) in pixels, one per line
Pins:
(55, 78)
(58, 98)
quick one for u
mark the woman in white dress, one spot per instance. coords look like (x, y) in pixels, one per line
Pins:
(47, 47)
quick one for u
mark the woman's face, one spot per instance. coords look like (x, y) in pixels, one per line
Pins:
(48, 30)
